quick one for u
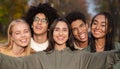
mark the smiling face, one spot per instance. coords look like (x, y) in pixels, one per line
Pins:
(60, 33)
(40, 24)
(99, 26)
(20, 34)
(80, 30)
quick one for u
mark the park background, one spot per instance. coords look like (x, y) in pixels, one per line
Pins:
(12, 9)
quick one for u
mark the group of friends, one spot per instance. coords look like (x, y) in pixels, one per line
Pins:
(44, 40)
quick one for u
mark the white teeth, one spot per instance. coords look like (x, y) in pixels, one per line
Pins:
(82, 35)
(60, 38)
(38, 27)
(24, 40)
(97, 32)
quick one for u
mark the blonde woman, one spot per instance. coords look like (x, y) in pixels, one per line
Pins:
(18, 39)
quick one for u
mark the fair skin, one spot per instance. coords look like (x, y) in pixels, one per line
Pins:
(80, 32)
(60, 35)
(40, 27)
(98, 30)
(21, 38)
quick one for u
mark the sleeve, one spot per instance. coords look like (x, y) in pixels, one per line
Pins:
(103, 60)
(117, 46)
(7, 62)
(32, 62)
(27, 62)
(117, 63)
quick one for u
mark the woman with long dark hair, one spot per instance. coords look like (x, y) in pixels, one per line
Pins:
(102, 30)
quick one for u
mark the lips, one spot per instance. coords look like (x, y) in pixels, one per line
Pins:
(60, 38)
(23, 40)
(38, 27)
(97, 32)
(82, 36)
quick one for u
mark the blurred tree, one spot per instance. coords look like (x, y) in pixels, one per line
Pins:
(112, 6)
(11, 9)
(66, 6)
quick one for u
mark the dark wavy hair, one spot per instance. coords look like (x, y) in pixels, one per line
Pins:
(69, 42)
(50, 13)
(109, 45)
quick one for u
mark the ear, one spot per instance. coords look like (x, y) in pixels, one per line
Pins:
(87, 25)
(110, 30)
(11, 38)
(31, 26)
(47, 29)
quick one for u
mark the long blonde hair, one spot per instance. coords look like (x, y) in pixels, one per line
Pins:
(9, 44)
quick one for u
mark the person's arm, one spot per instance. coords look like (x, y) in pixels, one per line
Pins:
(117, 63)
(27, 62)
(8, 62)
(32, 62)
(102, 60)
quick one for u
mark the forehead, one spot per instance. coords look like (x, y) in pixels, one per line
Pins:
(19, 26)
(61, 24)
(77, 23)
(40, 15)
(100, 17)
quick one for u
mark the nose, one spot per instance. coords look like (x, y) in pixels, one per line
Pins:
(79, 30)
(60, 33)
(97, 27)
(39, 22)
(23, 34)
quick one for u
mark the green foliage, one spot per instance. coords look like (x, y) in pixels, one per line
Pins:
(11, 9)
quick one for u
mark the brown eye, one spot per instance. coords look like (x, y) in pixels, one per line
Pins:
(103, 25)
(36, 19)
(65, 29)
(82, 25)
(74, 29)
(26, 31)
(56, 29)
(44, 20)
(17, 33)
(94, 23)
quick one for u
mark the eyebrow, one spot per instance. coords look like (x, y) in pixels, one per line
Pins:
(39, 18)
(95, 20)
(62, 28)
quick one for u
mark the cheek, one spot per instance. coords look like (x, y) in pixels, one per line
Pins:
(74, 33)
(54, 35)
(92, 27)
(67, 34)
(45, 26)
(15, 38)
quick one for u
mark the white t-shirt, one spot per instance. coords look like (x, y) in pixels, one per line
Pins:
(38, 47)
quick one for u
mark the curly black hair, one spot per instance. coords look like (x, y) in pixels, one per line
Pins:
(75, 15)
(45, 8)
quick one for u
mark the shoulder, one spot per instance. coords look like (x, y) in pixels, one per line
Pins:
(117, 45)
(4, 50)
(87, 48)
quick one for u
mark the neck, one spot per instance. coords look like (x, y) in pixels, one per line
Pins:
(40, 38)
(100, 44)
(82, 44)
(17, 50)
(60, 47)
